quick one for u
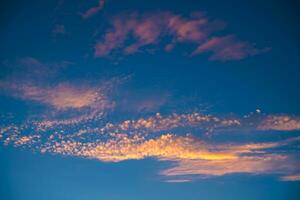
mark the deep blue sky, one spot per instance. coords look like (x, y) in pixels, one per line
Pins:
(74, 74)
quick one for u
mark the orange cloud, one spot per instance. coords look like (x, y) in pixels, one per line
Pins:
(191, 155)
(243, 164)
(26, 140)
(166, 147)
(295, 177)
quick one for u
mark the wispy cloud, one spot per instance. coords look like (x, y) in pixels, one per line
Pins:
(295, 177)
(178, 181)
(227, 48)
(93, 10)
(152, 29)
(30, 69)
(32, 80)
(263, 164)
(62, 96)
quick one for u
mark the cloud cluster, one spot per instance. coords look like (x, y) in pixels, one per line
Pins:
(132, 32)
(280, 123)
(190, 155)
(162, 123)
(64, 102)
(80, 124)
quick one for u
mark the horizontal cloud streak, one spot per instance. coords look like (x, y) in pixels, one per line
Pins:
(61, 96)
(295, 177)
(264, 164)
(226, 48)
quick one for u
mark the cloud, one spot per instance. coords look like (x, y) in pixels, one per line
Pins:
(62, 96)
(133, 32)
(226, 48)
(145, 30)
(188, 155)
(161, 123)
(123, 147)
(32, 80)
(252, 158)
(94, 10)
(264, 164)
(25, 140)
(191, 155)
(143, 101)
(59, 29)
(178, 181)
(192, 29)
(89, 133)
(295, 177)
(280, 123)
(29, 69)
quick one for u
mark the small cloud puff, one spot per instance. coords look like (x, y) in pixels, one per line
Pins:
(93, 10)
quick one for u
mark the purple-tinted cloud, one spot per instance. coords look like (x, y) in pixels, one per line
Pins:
(94, 10)
(144, 30)
(227, 48)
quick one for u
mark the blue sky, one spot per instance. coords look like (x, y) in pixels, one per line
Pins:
(110, 99)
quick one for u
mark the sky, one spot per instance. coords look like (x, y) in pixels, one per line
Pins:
(129, 99)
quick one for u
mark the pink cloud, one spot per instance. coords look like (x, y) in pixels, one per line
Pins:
(61, 97)
(148, 30)
(94, 10)
(188, 29)
(114, 38)
(132, 32)
(226, 48)
(295, 177)
(145, 30)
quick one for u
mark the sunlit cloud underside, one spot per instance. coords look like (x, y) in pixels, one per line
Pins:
(179, 138)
